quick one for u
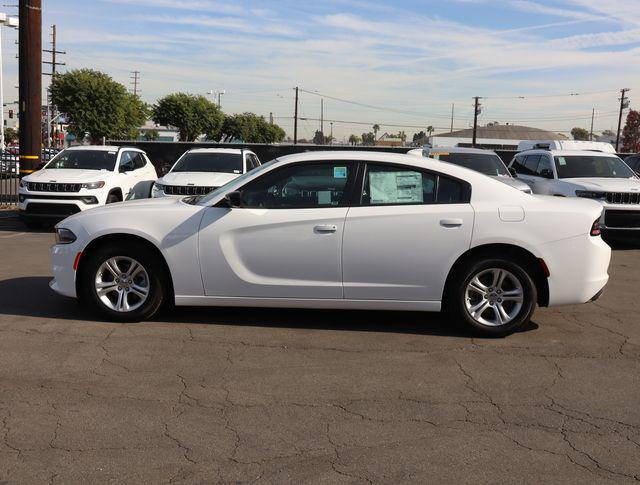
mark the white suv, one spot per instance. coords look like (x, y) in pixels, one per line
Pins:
(590, 174)
(83, 177)
(201, 170)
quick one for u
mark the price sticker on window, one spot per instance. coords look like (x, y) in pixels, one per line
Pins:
(562, 161)
(339, 172)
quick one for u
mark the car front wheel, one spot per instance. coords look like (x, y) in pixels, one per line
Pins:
(124, 282)
(494, 297)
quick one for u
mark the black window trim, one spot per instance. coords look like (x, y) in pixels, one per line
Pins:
(356, 199)
(349, 187)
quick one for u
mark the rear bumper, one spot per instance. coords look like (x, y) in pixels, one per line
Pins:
(578, 269)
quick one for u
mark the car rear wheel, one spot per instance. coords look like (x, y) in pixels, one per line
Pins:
(494, 297)
(124, 282)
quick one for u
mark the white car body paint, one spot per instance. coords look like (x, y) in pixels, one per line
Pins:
(202, 179)
(373, 257)
(135, 184)
(567, 187)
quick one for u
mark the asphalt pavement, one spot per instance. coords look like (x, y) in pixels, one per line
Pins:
(288, 396)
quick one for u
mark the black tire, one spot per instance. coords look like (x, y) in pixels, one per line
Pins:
(155, 270)
(112, 198)
(456, 300)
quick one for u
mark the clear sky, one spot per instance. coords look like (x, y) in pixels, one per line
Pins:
(413, 58)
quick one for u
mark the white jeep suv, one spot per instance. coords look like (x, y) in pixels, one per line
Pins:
(589, 174)
(83, 177)
(201, 170)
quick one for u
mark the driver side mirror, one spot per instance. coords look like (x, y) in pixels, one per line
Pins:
(234, 199)
(513, 172)
(546, 173)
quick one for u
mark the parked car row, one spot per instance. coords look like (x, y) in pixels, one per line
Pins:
(553, 168)
(84, 177)
(351, 230)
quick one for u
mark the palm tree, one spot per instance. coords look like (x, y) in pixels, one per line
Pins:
(354, 139)
(376, 127)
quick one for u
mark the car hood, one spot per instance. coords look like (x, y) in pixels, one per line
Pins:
(198, 179)
(606, 184)
(67, 175)
(513, 182)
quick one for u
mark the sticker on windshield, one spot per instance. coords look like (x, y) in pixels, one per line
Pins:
(112, 153)
(562, 161)
(339, 172)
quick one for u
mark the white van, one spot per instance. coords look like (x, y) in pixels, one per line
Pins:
(595, 146)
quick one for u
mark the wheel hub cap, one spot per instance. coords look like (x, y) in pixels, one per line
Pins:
(494, 297)
(122, 284)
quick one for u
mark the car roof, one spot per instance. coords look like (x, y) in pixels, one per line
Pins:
(218, 150)
(458, 150)
(103, 148)
(385, 157)
(568, 153)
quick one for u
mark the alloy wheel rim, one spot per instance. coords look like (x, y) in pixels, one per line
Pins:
(122, 284)
(494, 297)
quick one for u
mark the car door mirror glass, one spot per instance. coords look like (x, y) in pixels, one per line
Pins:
(513, 172)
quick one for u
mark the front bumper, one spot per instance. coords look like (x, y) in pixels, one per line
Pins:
(37, 206)
(64, 276)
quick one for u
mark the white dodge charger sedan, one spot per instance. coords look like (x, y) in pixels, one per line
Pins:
(351, 230)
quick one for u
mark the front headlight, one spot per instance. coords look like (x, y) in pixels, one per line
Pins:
(23, 183)
(158, 187)
(93, 185)
(591, 194)
(64, 236)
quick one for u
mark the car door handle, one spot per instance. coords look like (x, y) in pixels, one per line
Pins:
(325, 228)
(450, 222)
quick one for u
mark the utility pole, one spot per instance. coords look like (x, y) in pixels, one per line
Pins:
(477, 109)
(13, 23)
(624, 103)
(452, 107)
(271, 117)
(331, 135)
(295, 121)
(135, 80)
(593, 112)
(30, 85)
(54, 69)
(322, 120)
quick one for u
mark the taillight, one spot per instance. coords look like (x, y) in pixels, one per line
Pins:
(595, 228)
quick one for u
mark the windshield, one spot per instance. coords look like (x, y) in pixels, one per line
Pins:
(485, 163)
(204, 200)
(574, 166)
(209, 162)
(84, 160)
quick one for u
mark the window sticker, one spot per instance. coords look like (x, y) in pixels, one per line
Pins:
(324, 197)
(395, 187)
(339, 172)
(112, 153)
(562, 161)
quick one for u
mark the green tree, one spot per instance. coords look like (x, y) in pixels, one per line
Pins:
(251, 128)
(579, 133)
(10, 135)
(368, 139)
(376, 128)
(151, 135)
(354, 139)
(631, 133)
(191, 115)
(97, 106)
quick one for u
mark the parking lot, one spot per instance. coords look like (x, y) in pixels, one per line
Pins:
(271, 396)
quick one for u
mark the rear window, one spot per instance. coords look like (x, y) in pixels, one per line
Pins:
(485, 163)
